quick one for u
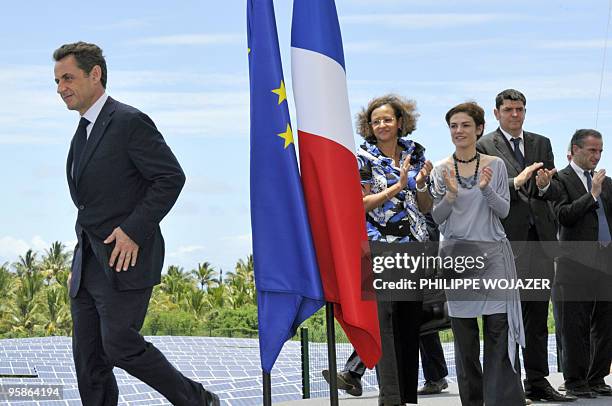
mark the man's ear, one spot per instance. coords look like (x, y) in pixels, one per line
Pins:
(96, 73)
(496, 113)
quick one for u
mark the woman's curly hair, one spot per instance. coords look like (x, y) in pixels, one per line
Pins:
(403, 108)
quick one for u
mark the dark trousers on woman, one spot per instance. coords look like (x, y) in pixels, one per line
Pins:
(432, 357)
(398, 367)
(497, 383)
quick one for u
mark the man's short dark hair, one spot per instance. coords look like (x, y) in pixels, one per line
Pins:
(87, 56)
(580, 135)
(509, 94)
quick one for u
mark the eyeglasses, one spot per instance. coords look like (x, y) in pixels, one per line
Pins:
(381, 121)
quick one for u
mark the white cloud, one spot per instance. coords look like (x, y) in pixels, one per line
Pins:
(241, 239)
(186, 249)
(427, 20)
(11, 248)
(192, 39)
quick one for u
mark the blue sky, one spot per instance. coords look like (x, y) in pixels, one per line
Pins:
(185, 64)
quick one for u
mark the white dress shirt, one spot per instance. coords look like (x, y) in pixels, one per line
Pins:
(94, 111)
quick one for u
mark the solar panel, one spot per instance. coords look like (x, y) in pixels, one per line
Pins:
(228, 366)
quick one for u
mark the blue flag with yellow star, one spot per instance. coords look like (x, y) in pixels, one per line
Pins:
(286, 273)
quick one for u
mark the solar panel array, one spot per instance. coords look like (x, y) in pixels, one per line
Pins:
(228, 366)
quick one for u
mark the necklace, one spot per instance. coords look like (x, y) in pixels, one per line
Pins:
(465, 162)
(472, 181)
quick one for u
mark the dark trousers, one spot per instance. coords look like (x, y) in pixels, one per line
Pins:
(497, 384)
(432, 357)
(586, 334)
(532, 263)
(398, 368)
(106, 325)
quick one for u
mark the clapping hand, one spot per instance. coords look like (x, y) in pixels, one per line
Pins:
(404, 171)
(486, 174)
(423, 174)
(524, 176)
(544, 176)
(450, 181)
(598, 179)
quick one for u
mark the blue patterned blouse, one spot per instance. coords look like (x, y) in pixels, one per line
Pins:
(398, 219)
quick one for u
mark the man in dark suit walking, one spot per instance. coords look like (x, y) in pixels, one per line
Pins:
(530, 164)
(583, 287)
(123, 179)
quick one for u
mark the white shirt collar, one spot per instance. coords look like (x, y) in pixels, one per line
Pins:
(94, 111)
(579, 171)
(509, 136)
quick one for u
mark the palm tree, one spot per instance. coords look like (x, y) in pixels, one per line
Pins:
(205, 274)
(242, 283)
(176, 283)
(25, 313)
(196, 302)
(57, 313)
(160, 301)
(6, 281)
(217, 296)
(6, 285)
(55, 260)
(27, 264)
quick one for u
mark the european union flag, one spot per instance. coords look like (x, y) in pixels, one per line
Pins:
(286, 274)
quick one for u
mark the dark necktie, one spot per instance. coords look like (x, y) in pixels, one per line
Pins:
(80, 140)
(517, 152)
(604, 230)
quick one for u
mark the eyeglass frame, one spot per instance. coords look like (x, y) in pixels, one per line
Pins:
(379, 122)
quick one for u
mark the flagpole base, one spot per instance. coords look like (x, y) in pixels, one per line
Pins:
(331, 354)
(267, 389)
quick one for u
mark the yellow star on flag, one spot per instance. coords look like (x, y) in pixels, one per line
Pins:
(282, 94)
(287, 136)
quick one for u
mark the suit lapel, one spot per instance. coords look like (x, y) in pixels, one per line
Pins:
(97, 132)
(574, 180)
(71, 183)
(502, 146)
(530, 152)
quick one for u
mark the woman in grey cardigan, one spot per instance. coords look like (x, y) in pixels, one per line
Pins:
(471, 194)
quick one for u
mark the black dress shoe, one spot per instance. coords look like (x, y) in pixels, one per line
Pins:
(347, 382)
(547, 393)
(210, 398)
(601, 389)
(582, 393)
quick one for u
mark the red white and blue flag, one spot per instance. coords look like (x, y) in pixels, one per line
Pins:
(329, 169)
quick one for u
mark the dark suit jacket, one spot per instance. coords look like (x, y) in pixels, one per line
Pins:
(581, 262)
(527, 198)
(129, 178)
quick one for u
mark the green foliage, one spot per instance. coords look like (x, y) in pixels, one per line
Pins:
(35, 300)
(172, 323)
(196, 302)
(230, 322)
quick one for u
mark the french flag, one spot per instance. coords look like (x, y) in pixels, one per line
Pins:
(329, 169)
